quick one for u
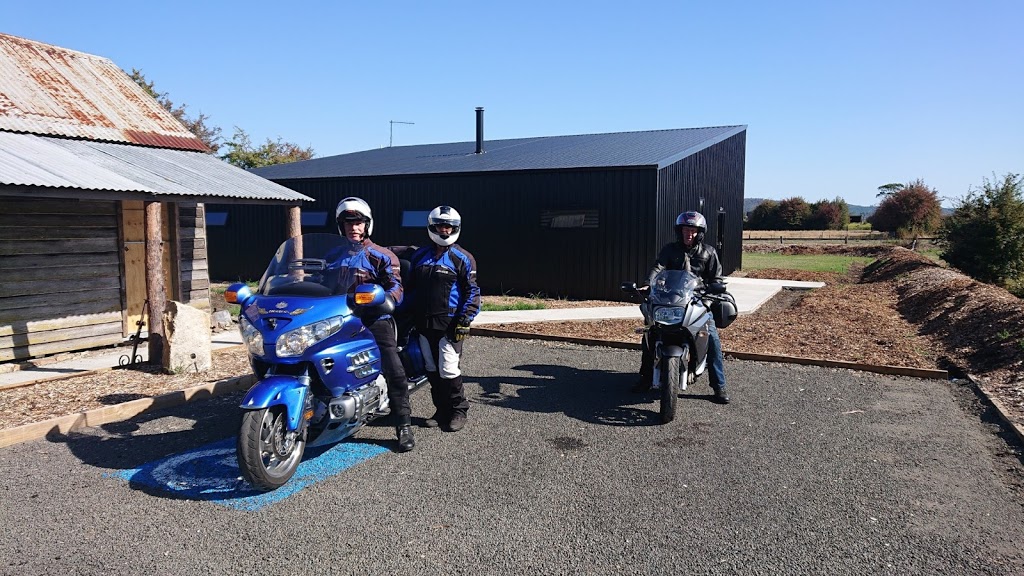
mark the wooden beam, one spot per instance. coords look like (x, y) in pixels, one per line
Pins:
(155, 291)
(294, 228)
(121, 412)
(878, 369)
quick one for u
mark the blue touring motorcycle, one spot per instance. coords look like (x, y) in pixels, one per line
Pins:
(318, 367)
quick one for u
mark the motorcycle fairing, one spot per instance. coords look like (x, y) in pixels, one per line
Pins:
(285, 391)
(340, 379)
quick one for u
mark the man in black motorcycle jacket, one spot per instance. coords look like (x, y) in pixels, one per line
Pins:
(443, 299)
(364, 262)
(690, 228)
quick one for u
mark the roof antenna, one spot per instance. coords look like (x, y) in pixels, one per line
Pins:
(391, 135)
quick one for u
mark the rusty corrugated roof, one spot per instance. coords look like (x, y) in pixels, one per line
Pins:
(53, 91)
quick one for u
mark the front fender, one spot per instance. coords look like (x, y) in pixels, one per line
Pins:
(285, 391)
(670, 351)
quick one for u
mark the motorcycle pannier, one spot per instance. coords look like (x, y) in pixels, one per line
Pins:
(724, 311)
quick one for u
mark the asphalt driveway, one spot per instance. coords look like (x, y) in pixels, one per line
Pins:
(560, 471)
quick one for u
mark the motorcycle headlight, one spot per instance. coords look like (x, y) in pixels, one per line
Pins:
(251, 336)
(295, 342)
(668, 315)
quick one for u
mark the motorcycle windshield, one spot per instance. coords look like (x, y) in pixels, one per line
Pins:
(673, 287)
(307, 266)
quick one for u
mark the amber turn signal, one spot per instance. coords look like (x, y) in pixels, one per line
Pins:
(364, 297)
(231, 297)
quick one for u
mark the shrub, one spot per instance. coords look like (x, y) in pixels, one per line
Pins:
(764, 216)
(913, 210)
(984, 237)
(829, 215)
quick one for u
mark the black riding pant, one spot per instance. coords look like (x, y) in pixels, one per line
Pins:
(383, 330)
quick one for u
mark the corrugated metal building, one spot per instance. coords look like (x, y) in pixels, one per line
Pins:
(84, 153)
(569, 216)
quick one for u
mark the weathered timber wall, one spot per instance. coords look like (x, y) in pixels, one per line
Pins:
(60, 279)
(193, 269)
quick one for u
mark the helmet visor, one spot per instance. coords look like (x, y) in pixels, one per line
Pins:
(352, 216)
(453, 222)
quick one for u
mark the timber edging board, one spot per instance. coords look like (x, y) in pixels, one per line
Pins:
(880, 369)
(121, 412)
(1000, 408)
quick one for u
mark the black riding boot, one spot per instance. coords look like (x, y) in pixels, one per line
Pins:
(403, 430)
(721, 394)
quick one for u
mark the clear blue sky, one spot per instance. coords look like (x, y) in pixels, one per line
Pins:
(839, 97)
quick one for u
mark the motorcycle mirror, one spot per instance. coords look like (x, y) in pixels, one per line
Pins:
(238, 293)
(717, 287)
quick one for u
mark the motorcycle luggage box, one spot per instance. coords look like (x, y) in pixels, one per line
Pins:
(724, 311)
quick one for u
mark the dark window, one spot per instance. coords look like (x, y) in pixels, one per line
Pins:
(216, 218)
(415, 218)
(568, 219)
(720, 244)
(314, 218)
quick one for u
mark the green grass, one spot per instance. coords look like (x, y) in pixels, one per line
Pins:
(222, 288)
(488, 307)
(810, 262)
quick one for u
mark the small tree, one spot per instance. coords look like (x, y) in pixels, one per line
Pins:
(794, 213)
(241, 152)
(886, 190)
(829, 215)
(912, 210)
(984, 237)
(765, 216)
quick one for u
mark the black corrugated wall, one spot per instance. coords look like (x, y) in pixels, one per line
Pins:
(716, 175)
(502, 226)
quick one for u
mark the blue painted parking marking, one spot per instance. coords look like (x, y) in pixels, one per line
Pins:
(211, 473)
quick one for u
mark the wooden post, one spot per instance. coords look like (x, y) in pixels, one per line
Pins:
(155, 290)
(294, 222)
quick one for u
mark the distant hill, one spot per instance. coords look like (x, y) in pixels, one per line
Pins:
(865, 211)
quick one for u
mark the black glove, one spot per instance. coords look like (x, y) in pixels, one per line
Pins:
(458, 330)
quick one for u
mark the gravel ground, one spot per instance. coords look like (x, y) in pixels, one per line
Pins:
(562, 471)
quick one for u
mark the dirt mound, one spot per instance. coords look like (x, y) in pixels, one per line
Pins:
(979, 325)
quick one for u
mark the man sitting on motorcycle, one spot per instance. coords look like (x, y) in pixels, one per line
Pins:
(366, 262)
(690, 228)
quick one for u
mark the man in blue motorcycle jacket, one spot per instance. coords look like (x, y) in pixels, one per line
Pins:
(366, 262)
(690, 228)
(443, 298)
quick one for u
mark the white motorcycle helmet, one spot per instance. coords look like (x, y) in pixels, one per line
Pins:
(354, 209)
(444, 215)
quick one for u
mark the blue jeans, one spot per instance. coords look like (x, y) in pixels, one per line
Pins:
(716, 371)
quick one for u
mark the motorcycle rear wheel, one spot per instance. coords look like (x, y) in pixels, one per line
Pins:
(268, 454)
(671, 372)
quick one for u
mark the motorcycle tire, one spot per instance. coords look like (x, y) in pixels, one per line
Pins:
(268, 454)
(671, 371)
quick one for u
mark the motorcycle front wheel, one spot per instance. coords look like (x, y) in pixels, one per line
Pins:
(671, 371)
(268, 453)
